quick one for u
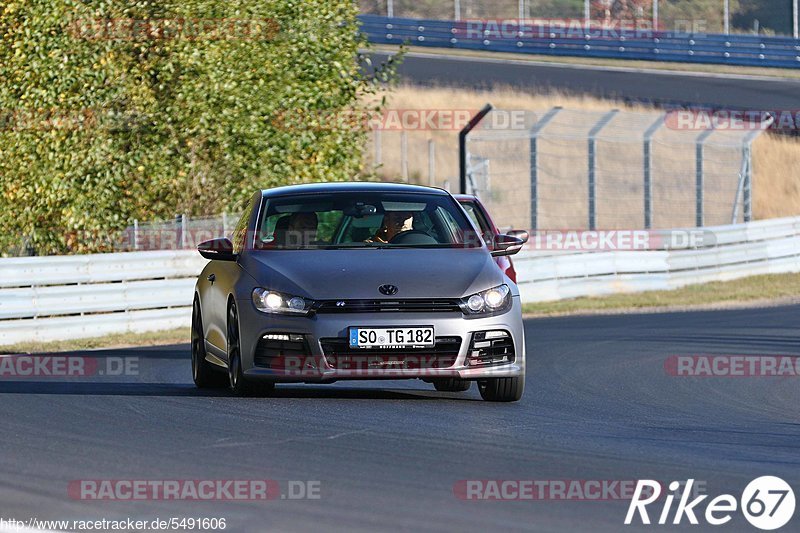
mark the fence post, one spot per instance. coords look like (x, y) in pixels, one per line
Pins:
(431, 162)
(390, 8)
(178, 231)
(457, 6)
(404, 155)
(593, 164)
(747, 192)
(135, 234)
(536, 129)
(740, 185)
(700, 177)
(648, 170)
(183, 232)
(655, 15)
(462, 146)
(378, 147)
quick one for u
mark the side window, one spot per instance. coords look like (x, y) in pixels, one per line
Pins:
(477, 220)
(450, 224)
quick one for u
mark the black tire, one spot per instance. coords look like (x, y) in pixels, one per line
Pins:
(204, 374)
(502, 389)
(237, 383)
(452, 385)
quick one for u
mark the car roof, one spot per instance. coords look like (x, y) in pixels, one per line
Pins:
(466, 197)
(351, 186)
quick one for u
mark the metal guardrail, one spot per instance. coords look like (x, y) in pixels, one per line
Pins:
(68, 297)
(763, 247)
(742, 50)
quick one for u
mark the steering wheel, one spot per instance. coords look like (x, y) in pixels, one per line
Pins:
(413, 236)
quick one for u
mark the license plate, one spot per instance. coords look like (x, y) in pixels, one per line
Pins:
(391, 337)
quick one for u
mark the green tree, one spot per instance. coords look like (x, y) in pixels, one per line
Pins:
(114, 110)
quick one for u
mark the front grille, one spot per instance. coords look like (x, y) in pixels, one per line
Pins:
(280, 350)
(490, 347)
(427, 305)
(340, 356)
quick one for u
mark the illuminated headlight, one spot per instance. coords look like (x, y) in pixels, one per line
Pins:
(494, 300)
(277, 302)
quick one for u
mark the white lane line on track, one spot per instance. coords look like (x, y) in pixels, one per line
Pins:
(603, 68)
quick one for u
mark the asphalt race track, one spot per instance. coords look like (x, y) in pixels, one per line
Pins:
(603, 82)
(599, 405)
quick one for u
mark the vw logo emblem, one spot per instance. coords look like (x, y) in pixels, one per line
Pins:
(388, 290)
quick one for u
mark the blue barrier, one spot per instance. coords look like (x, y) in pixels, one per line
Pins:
(528, 38)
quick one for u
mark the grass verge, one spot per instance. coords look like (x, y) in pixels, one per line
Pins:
(116, 340)
(754, 291)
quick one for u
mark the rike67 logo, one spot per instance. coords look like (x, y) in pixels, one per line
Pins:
(767, 503)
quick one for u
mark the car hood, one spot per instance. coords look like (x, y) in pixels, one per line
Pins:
(357, 274)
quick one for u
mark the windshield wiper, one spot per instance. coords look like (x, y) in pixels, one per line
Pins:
(344, 246)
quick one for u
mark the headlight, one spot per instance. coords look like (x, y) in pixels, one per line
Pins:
(278, 302)
(494, 300)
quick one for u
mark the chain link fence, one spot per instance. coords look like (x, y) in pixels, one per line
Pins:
(570, 169)
(773, 17)
(181, 233)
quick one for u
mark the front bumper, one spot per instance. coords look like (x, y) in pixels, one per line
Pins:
(315, 366)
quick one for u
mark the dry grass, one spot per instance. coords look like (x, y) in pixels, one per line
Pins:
(117, 340)
(755, 291)
(776, 160)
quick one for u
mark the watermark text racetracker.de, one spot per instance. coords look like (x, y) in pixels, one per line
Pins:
(550, 489)
(734, 120)
(732, 366)
(619, 240)
(172, 29)
(572, 28)
(132, 490)
(60, 366)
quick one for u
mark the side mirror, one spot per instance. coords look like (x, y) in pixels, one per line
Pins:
(506, 245)
(520, 234)
(218, 249)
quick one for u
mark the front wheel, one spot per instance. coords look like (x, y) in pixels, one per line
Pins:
(238, 384)
(203, 373)
(502, 389)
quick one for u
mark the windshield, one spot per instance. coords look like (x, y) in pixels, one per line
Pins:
(363, 220)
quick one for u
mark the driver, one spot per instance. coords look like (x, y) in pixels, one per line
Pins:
(394, 222)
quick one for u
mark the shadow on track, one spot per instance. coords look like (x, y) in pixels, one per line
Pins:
(188, 390)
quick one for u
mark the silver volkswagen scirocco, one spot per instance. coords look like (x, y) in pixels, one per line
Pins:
(351, 281)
